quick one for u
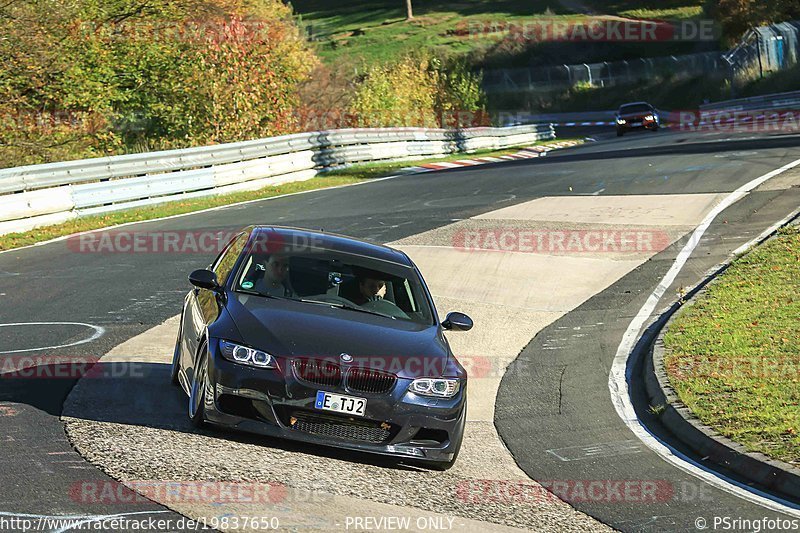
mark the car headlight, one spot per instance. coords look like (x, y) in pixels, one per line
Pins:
(245, 355)
(649, 117)
(436, 387)
(621, 120)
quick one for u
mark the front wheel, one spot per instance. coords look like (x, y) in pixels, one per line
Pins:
(176, 356)
(199, 390)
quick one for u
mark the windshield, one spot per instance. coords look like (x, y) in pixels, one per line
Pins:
(635, 108)
(348, 282)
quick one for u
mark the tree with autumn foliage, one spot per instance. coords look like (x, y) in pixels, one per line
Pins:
(98, 77)
(420, 91)
(738, 16)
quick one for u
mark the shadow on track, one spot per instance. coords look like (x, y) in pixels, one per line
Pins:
(679, 147)
(140, 394)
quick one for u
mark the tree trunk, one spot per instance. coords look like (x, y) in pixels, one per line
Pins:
(409, 10)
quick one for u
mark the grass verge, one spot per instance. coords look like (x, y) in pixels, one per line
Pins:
(350, 30)
(345, 176)
(733, 357)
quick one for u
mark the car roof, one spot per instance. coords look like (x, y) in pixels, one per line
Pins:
(634, 103)
(331, 241)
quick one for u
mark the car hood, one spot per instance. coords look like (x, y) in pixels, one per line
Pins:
(641, 114)
(290, 329)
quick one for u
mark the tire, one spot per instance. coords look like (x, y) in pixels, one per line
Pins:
(198, 390)
(175, 368)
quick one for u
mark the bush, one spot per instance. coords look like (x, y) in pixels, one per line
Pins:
(144, 74)
(419, 91)
(738, 16)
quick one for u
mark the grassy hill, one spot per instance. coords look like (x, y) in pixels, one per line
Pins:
(376, 30)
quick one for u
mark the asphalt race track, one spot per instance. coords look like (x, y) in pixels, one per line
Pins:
(556, 417)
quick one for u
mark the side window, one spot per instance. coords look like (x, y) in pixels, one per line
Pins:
(227, 259)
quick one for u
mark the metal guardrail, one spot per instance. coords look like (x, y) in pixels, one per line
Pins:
(38, 195)
(790, 100)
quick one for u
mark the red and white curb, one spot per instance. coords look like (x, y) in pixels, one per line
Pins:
(526, 153)
(570, 124)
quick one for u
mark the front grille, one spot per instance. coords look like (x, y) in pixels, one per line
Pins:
(370, 381)
(324, 373)
(341, 428)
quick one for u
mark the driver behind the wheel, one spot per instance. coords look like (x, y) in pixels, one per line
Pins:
(369, 290)
(275, 281)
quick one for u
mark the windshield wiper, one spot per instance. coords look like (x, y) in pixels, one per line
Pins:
(256, 293)
(346, 306)
(362, 310)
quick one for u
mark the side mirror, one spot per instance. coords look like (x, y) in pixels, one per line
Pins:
(204, 279)
(457, 322)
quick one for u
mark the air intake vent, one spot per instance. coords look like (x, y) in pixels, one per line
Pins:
(342, 428)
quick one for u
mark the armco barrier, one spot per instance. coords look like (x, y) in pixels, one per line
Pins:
(39, 195)
(790, 100)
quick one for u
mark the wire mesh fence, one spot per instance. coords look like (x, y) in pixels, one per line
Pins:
(607, 73)
(762, 51)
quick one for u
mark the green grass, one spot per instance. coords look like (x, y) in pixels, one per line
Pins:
(777, 82)
(663, 93)
(365, 32)
(733, 356)
(344, 176)
(649, 9)
(669, 93)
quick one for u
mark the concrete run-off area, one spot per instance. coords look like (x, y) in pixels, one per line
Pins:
(134, 427)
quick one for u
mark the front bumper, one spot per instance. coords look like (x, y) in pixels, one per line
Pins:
(638, 123)
(274, 402)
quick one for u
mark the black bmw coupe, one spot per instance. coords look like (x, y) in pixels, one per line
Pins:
(324, 339)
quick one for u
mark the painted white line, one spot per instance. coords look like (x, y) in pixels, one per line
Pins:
(620, 374)
(78, 517)
(98, 332)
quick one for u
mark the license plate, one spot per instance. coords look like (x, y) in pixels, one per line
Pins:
(328, 401)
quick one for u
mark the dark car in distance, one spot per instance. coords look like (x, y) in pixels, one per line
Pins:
(636, 115)
(323, 339)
